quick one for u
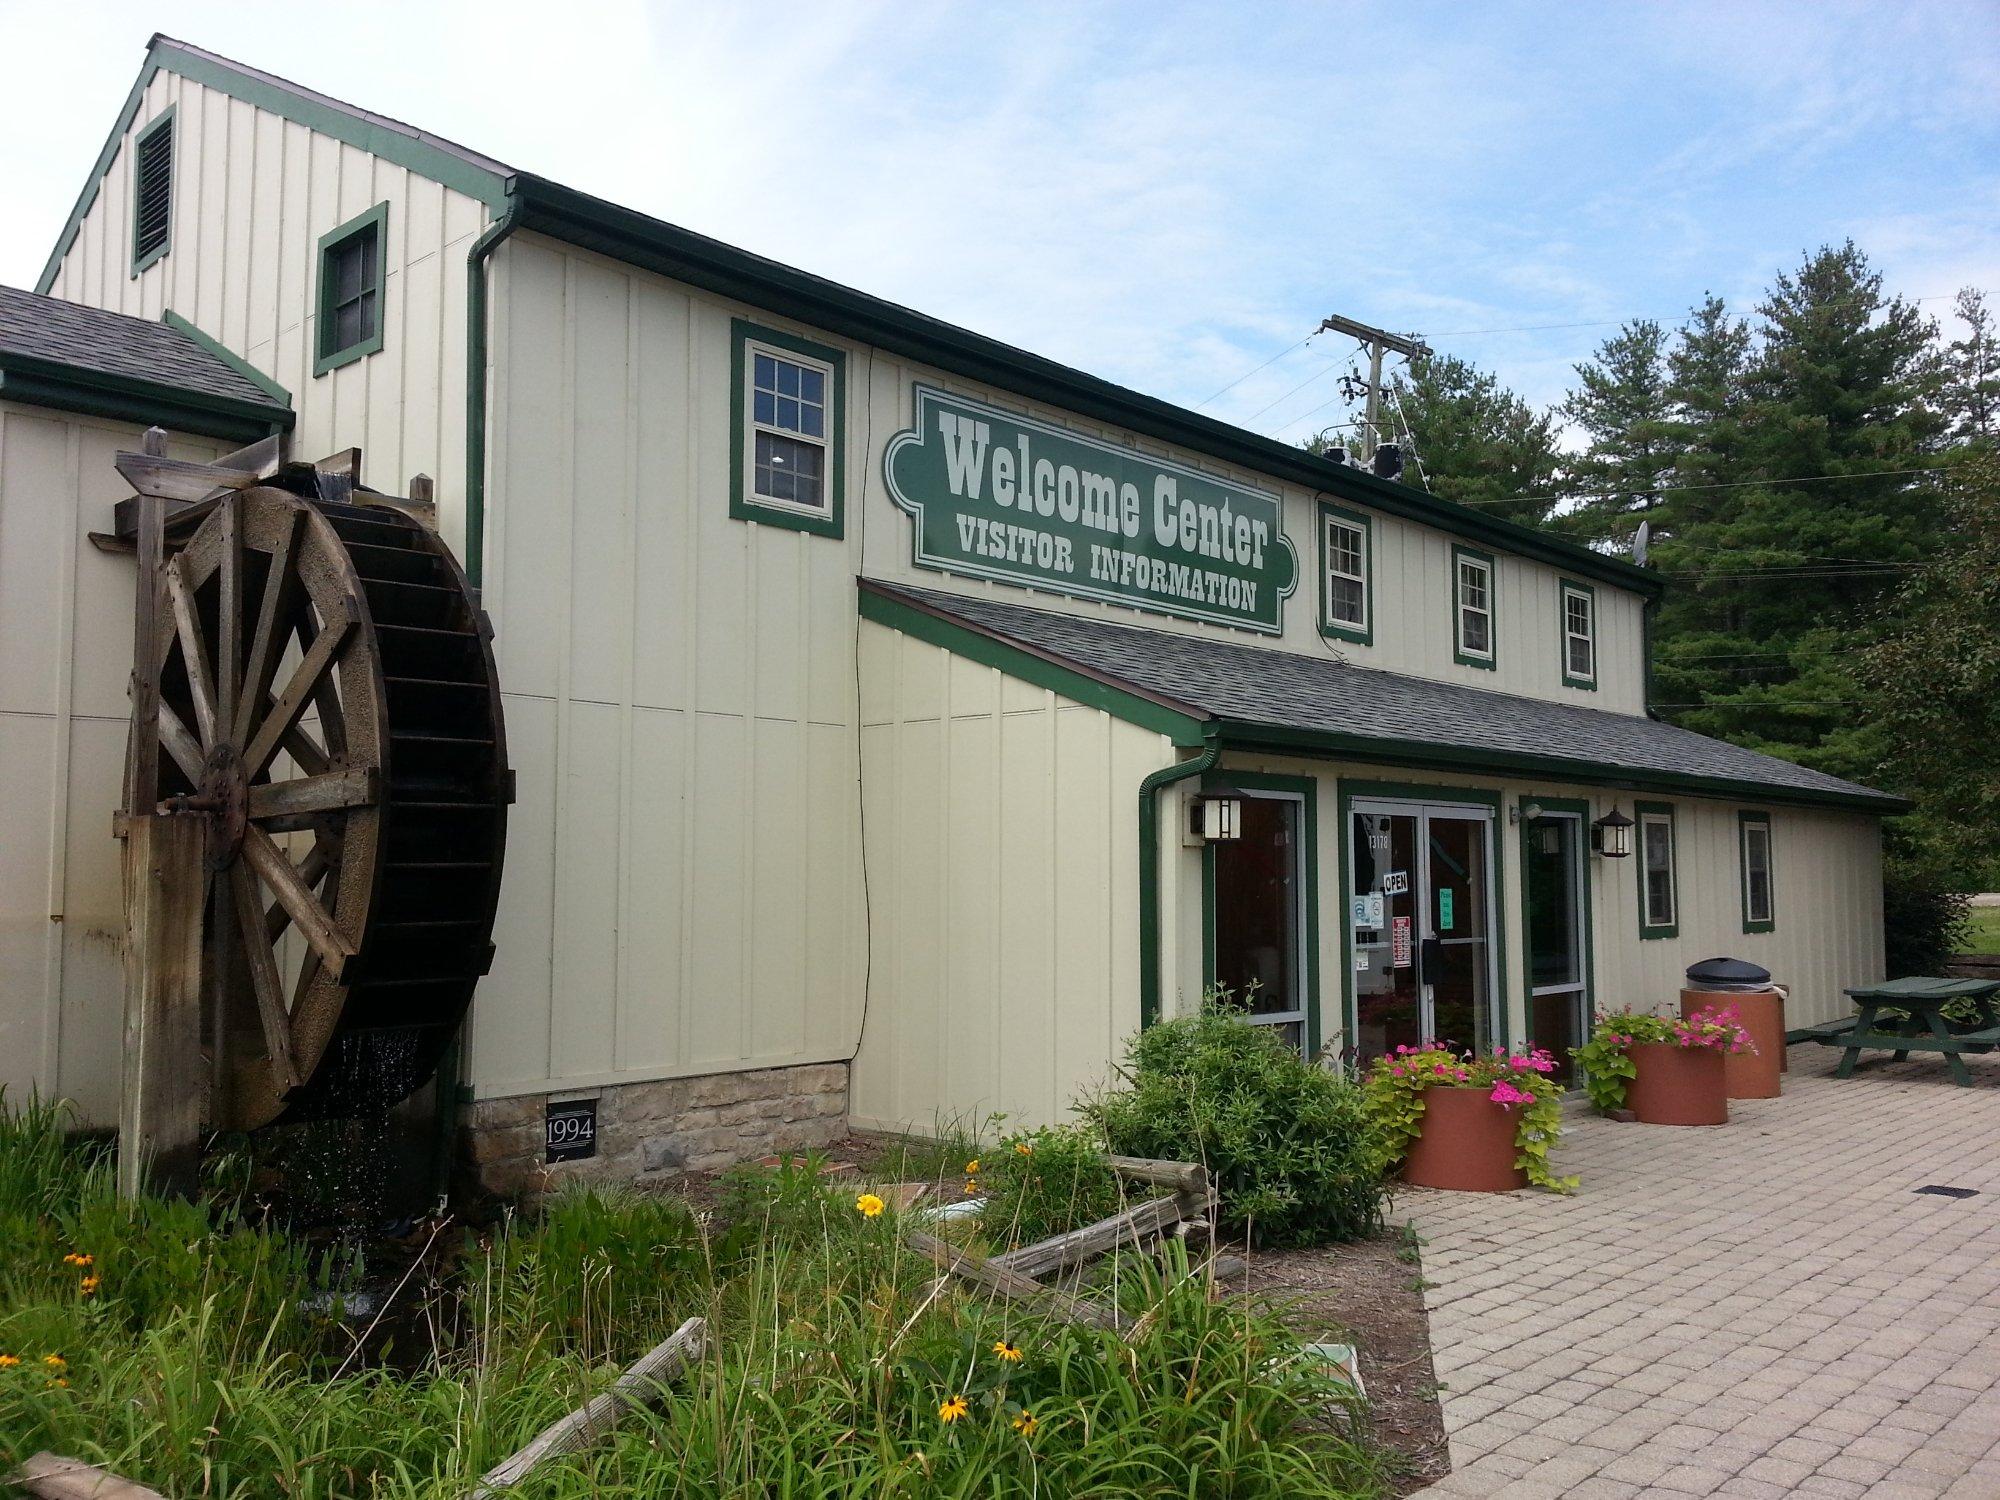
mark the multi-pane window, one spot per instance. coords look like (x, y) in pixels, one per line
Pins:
(1344, 586)
(788, 399)
(785, 467)
(1759, 900)
(1579, 636)
(153, 192)
(351, 289)
(1658, 898)
(1472, 574)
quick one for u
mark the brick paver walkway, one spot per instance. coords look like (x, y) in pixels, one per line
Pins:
(1768, 1308)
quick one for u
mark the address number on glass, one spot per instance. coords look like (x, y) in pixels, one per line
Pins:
(569, 1132)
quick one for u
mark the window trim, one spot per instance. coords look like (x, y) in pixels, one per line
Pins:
(325, 358)
(164, 120)
(1565, 589)
(1745, 821)
(744, 503)
(1642, 812)
(1489, 660)
(1341, 630)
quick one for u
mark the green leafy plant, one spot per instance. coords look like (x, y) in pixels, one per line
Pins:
(1046, 1182)
(1286, 1142)
(1606, 1060)
(1521, 1081)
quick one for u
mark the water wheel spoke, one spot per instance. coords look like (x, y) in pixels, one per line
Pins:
(179, 742)
(264, 978)
(194, 651)
(312, 870)
(274, 614)
(229, 616)
(314, 922)
(358, 786)
(284, 713)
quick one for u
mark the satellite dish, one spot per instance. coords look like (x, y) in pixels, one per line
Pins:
(1641, 540)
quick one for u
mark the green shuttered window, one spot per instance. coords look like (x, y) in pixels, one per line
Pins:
(352, 290)
(153, 191)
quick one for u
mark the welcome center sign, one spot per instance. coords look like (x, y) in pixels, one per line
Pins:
(999, 495)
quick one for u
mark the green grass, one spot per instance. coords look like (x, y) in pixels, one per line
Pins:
(1984, 936)
(195, 1364)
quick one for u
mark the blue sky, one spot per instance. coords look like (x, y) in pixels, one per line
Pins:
(1164, 195)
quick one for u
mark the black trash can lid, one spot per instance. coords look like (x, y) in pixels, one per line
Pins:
(1726, 974)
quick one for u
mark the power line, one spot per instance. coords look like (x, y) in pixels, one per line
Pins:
(1248, 373)
(1330, 366)
(1676, 489)
(1461, 333)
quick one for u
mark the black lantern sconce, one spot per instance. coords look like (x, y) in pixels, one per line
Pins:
(1611, 835)
(1216, 816)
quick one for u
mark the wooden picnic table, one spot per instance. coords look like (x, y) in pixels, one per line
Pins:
(1924, 999)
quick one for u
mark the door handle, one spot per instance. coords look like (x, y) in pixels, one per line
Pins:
(1430, 953)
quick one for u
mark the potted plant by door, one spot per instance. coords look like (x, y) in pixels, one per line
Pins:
(1668, 1070)
(1472, 1123)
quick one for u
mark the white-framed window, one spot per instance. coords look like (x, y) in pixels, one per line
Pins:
(1760, 901)
(1659, 897)
(1472, 601)
(787, 429)
(1579, 635)
(1345, 609)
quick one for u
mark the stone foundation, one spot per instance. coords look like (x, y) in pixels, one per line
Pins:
(650, 1133)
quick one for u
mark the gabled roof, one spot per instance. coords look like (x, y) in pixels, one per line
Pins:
(532, 202)
(75, 358)
(1191, 687)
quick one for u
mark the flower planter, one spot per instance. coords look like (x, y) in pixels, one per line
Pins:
(1467, 1143)
(1678, 1085)
(1750, 1075)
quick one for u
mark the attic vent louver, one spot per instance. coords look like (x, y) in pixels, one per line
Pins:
(153, 194)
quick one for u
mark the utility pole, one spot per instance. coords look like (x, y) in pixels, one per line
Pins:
(1380, 342)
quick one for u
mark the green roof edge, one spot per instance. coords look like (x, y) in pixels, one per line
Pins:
(122, 398)
(229, 357)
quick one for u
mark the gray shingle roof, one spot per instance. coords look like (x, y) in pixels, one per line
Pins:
(95, 342)
(1288, 690)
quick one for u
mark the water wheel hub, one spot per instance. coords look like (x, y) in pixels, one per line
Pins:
(225, 796)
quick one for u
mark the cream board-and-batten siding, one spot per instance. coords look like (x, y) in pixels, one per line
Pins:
(66, 619)
(253, 195)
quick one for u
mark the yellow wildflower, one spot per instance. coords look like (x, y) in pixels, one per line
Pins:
(73, 1259)
(1022, 1148)
(953, 1409)
(55, 1361)
(1009, 1352)
(869, 1205)
(972, 1166)
(8, 1361)
(972, 1184)
(89, 1285)
(58, 1381)
(1025, 1424)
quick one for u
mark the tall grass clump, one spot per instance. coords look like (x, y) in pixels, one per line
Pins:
(1287, 1142)
(1046, 1182)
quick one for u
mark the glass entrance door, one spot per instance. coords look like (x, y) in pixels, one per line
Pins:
(1422, 915)
(1259, 924)
(1552, 874)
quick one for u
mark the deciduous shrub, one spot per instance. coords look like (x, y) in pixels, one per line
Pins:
(1044, 1183)
(1285, 1140)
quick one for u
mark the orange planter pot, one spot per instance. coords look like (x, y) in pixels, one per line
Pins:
(1751, 1075)
(1678, 1085)
(1467, 1144)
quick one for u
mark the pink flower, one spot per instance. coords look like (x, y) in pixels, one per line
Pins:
(1505, 1093)
(1396, 1072)
(1519, 1063)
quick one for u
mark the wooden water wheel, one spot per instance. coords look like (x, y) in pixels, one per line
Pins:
(316, 682)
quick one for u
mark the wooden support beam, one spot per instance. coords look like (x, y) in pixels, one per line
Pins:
(639, 1386)
(160, 1111)
(1130, 1229)
(1011, 1284)
(179, 478)
(357, 786)
(52, 1478)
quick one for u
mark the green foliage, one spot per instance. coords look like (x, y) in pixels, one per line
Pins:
(1396, 1087)
(1047, 1182)
(1608, 1069)
(1479, 443)
(1924, 903)
(1624, 405)
(1285, 1141)
(1607, 1061)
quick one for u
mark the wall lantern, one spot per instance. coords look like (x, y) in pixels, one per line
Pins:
(1217, 814)
(1611, 835)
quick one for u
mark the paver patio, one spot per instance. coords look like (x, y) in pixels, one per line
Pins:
(1766, 1308)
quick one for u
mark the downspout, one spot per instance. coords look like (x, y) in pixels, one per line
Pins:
(1149, 866)
(454, 1095)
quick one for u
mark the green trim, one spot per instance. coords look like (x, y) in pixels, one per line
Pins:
(1334, 630)
(1581, 807)
(1307, 789)
(120, 398)
(229, 357)
(1744, 820)
(1351, 790)
(696, 260)
(1564, 588)
(164, 120)
(477, 265)
(1647, 610)
(396, 144)
(1149, 870)
(743, 506)
(1640, 810)
(330, 357)
(975, 645)
(1490, 662)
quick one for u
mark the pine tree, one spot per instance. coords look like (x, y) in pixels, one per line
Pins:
(1475, 441)
(1972, 372)
(1625, 408)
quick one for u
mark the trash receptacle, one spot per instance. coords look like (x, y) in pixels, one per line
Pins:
(1717, 984)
